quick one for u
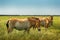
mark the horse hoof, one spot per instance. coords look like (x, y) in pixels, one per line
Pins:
(39, 29)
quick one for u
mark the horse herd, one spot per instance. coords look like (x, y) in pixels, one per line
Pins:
(27, 23)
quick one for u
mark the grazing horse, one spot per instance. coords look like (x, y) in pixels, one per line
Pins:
(35, 22)
(46, 21)
(19, 24)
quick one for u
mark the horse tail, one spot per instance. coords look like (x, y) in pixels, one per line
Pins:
(51, 20)
(51, 17)
(7, 24)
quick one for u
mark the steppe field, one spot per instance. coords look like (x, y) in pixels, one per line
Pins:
(52, 33)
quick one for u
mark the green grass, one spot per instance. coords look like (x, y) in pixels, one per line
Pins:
(53, 32)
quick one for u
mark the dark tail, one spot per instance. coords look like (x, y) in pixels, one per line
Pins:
(7, 25)
(51, 20)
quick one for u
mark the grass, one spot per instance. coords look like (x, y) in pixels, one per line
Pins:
(53, 32)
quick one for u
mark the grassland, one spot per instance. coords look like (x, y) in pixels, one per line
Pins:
(53, 32)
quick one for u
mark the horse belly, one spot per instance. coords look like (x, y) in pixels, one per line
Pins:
(22, 26)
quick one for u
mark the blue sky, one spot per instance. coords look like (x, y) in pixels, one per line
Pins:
(30, 7)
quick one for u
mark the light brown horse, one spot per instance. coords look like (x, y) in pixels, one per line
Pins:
(19, 24)
(46, 21)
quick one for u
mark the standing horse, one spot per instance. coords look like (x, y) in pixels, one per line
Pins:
(35, 22)
(50, 18)
(46, 21)
(19, 24)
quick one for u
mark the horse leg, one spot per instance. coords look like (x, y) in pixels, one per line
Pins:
(10, 30)
(46, 26)
(38, 26)
(39, 29)
(26, 30)
(34, 27)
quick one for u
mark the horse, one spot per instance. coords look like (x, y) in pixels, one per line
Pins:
(46, 21)
(19, 24)
(50, 18)
(35, 22)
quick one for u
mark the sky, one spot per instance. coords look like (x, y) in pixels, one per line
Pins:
(29, 7)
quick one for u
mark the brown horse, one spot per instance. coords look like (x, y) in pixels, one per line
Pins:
(35, 22)
(46, 21)
(50, 18)
(19, 24)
